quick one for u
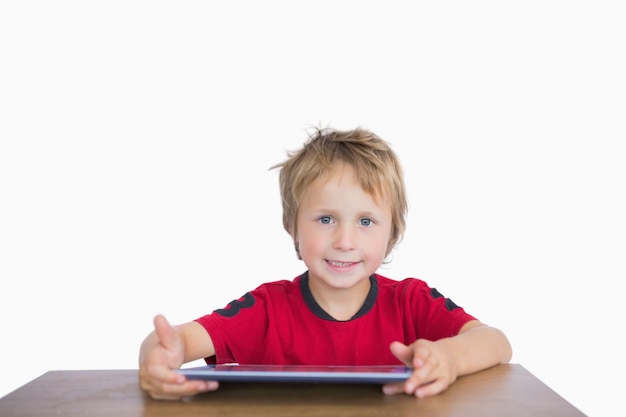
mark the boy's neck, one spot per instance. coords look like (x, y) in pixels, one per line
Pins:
(340, 304)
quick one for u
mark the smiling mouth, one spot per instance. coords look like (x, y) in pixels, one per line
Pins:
(341, 264)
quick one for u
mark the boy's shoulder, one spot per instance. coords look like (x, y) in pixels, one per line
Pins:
(400, 283)
(406, 288)
(279, 286)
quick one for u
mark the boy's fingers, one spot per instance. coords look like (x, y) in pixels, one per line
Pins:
(413, 356)
(428, 390)
(164, 374)
(175, 392)
(165, 332)
(402, 352)
(392, 389)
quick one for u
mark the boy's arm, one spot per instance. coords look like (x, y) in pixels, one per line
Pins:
(164, 350)
(478, 347)
(437, 364)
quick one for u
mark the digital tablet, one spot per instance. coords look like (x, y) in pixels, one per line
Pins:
(377, 374)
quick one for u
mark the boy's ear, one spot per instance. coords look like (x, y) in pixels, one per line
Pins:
(297, 247)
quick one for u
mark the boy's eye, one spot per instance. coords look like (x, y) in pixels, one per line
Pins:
(325, 220)
(365, 222)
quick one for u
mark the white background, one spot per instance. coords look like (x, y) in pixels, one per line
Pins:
(136, 139)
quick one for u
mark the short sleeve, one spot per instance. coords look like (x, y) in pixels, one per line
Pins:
(237, 328)
(434, 315)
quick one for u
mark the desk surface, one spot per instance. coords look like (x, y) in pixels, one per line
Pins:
(505, 390)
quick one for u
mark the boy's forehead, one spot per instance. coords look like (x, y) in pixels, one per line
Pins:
(339, 172)
(342, 172)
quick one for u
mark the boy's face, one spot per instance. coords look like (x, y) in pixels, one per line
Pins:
(342, 232)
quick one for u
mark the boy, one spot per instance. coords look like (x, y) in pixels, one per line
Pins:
(344, 205)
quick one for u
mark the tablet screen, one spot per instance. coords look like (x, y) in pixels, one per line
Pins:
(376, 374)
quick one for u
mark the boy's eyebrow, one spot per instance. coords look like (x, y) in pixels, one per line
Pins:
(367, 213)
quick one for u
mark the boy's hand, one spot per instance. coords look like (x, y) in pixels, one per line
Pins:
(161, 355)
(433, 368)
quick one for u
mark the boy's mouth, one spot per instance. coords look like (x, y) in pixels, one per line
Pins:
(340, 264)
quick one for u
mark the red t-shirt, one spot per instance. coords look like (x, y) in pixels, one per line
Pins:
(281, 323)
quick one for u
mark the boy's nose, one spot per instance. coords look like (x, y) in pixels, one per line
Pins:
(344, 238)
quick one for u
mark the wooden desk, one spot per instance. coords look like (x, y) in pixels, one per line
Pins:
(505, 390)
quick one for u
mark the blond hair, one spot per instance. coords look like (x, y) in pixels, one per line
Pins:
(376, 167)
